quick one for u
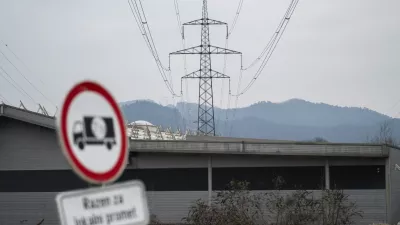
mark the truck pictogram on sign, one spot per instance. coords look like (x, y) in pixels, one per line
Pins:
(93, 130)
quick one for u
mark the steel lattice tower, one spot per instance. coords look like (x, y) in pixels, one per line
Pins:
(205, 121)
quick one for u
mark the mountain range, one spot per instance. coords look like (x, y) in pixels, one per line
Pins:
(295, 119)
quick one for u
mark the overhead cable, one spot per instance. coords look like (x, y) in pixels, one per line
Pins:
(16, 85)
(185, 108)
(222, 88)
(236, 100)
(140, 22)
(285, 19)
(272, 45)
(239, 8)
(142, 16)
(27, 79)
(19, 59)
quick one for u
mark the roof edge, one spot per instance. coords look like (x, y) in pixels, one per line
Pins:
(27, 116)
(244, 141)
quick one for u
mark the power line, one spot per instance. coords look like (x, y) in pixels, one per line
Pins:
(19, 59)
(139, 21)
(236, 100)
(16, 86)
(179, 23)
(135, 12)
(239, 8)
(286, 17)
(267, 49)
(222, 88)
(143, 24)
(27, 79)
(151, 37)
(276, 38)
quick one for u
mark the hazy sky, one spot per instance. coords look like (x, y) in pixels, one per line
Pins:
(341, 52)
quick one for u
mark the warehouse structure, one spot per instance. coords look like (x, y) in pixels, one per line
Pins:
(178, 172)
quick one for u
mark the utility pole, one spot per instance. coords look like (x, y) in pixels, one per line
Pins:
(205, 121)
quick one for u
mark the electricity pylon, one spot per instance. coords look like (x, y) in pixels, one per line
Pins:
(205, 120)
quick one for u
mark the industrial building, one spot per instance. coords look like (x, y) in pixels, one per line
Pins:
(143, 130)
(178, 172)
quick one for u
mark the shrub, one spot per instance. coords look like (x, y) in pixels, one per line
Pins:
(238, 206)
(296, 208)
(234, 206)
(337, 209)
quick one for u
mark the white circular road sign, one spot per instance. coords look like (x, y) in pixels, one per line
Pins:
(92, 133)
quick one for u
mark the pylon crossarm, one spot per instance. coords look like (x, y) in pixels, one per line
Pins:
(205, 22)
(198, 50)
(191, 50)
(197, 74)
(215, 74)
(219, 50)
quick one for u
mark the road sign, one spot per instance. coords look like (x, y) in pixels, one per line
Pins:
(92, 133)
(119, 204)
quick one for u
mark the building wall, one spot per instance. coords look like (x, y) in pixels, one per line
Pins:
(394, 186)
(15, 208)
(25, 146)
(33, 170)
(31, 208)
(372, 203)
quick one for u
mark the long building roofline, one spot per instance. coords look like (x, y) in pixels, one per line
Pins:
(259, 148)
(223, 144)
(27, 116)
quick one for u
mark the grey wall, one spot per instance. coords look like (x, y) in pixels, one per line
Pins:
(394, 186)
(28, 208)
(372, 203)
(25, 146)
(31, 207)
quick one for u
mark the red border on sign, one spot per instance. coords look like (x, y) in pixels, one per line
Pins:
(82, 170)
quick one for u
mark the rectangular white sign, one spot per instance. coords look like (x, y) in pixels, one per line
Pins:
(118, 204)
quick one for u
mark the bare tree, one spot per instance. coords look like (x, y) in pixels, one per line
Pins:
(384, 136)
(337, 209)
(234, 206)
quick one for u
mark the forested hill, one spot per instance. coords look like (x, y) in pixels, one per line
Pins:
(294, 119)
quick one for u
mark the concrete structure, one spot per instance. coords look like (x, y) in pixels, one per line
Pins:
(176, 173)
(143, 130)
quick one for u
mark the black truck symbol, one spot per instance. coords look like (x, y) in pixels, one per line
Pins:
(94, 131)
